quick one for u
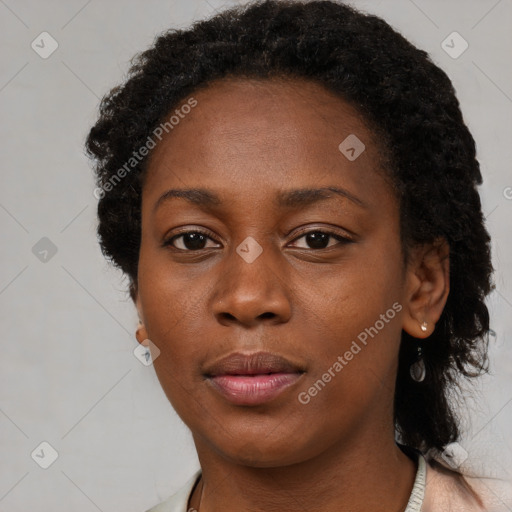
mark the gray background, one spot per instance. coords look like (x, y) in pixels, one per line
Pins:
(68, 373)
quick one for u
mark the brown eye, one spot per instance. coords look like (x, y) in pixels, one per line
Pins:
(320, 239)
(189, 241)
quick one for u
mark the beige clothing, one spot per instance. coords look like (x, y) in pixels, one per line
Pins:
(436, 489)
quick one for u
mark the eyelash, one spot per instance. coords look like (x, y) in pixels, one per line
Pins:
(341, 239)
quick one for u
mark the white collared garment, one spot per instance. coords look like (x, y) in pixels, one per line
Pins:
(436, 489)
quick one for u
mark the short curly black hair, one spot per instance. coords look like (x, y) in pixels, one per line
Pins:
(401, 94)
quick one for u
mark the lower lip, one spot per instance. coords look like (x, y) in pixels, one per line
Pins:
(253, 390)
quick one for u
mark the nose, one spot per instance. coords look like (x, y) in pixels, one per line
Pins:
(252, 293)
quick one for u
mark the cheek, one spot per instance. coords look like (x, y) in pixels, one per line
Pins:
(173, 305)
(172, 326)
(352, 296)
(355, 326)
(167, 295)
(353, 368)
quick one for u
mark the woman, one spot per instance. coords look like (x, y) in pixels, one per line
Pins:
(291, 190)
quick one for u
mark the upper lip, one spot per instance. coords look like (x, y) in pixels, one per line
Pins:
(238, 363)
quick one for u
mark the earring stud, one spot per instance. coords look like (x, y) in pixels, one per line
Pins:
(139, 328)
(424, 326)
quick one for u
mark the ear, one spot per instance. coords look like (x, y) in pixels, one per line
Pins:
(427, 287)
(141, 333)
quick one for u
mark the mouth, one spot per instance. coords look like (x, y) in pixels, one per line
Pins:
(252, 379)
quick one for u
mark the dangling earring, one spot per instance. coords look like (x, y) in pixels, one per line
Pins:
(417, 370)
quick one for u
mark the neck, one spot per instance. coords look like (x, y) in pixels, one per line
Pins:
(355, 476)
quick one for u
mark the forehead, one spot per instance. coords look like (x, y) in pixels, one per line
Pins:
(261, 134)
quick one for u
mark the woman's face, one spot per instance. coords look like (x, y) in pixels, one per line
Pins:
(263, 279)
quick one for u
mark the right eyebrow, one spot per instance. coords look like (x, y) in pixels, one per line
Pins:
(197, 196)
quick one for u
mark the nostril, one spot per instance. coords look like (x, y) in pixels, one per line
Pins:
(228, 316)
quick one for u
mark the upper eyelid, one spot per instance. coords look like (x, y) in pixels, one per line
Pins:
(302, 233)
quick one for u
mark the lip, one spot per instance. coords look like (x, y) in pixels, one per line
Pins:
(252, 379)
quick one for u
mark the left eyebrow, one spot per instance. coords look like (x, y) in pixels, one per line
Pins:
(296, 198)
(300, 198)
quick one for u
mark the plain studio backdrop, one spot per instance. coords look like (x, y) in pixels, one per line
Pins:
(69, 377)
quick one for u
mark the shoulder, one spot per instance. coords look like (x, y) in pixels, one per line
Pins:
(178, 502)
(447, 490)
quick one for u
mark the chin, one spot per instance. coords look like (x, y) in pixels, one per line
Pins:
(257, 459)
(258, 451)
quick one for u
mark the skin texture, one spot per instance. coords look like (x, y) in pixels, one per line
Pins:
(247, 140)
